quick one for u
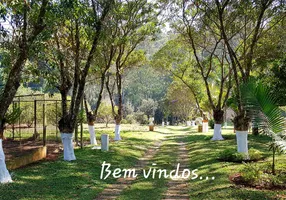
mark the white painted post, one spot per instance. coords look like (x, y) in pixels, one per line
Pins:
(104, 142)
(193, 123)
(217, 132)
(205, 126)
(67, 140)
(4, 173)
(242, 142)
(92, 135)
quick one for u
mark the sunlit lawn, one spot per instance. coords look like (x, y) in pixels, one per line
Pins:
(80, 179)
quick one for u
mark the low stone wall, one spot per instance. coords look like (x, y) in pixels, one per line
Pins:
(33, 156)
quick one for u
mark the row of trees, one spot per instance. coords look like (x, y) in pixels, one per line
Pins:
(215, 47)
(68, 43)
(219, 46)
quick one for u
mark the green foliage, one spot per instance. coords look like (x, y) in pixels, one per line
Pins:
(105, 113)
(124, 121)
(128, 109)
(141, 118)
(13, 115)
(211, 123)
(231, 155)
(143, 83)
(181, 101)
(251, 173)
(53, 113)
(254, 154)
(255, 175)
(131, 119)
(278, 81)
(262, 107)
(148, 107)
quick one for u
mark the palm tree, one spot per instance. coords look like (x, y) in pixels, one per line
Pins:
(262, 108)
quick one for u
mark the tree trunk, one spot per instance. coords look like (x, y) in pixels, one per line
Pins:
(92, 135)
(4, 173)
(90, 121)
(242, 142)
(218, 118)
(241, 123)
(2, 129)
(67, 140)
(117, 128)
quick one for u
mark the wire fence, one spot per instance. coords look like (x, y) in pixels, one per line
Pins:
(37, 119)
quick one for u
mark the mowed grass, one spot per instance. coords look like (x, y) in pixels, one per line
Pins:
(80, 179)
(203, 154)
(165, 158)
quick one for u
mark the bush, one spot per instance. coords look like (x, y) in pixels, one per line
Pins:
(141, 118)
(251, 173)
(130, 119)
(211, 123)
(255, 175)
(231, 155)
(254, 154)
(124, 121)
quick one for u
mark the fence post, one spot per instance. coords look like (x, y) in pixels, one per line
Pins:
(19, 128)
(44, 124)
(13, 125)
(35, 118)
(56, 120)
(81, 127)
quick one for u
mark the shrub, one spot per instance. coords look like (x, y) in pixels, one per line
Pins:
(251, 173)
(130, 119)
(231, 155)
(141, 118)
(254, 154)
(124, 121)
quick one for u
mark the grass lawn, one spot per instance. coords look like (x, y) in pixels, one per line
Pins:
(80, 179)
(203, 154)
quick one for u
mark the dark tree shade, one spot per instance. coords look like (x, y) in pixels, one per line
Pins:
(278, 83)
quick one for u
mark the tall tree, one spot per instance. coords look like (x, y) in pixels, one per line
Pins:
(106, 52)
(26, 23)
(210, 55)
(241, 25)
(70, 54)
(175, 58)
(135, 20)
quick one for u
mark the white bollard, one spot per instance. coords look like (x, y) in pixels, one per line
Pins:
(104, 142)
(163, 124)
(205, 127)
